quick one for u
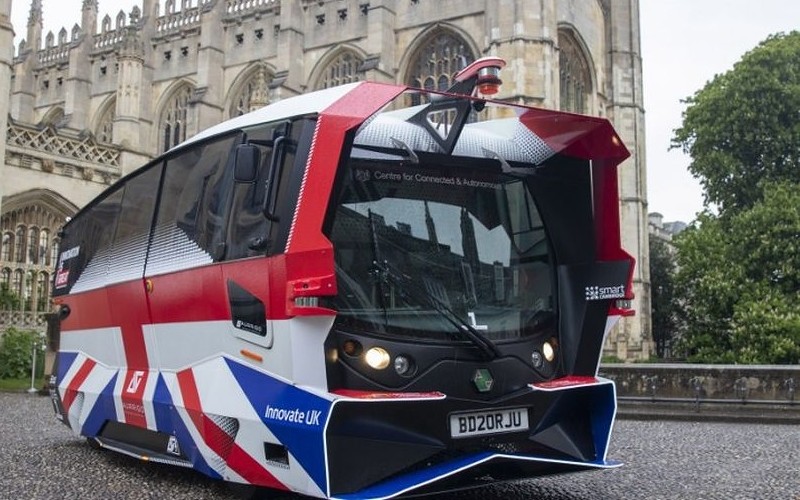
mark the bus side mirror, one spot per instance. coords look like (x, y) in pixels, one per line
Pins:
(245, 168)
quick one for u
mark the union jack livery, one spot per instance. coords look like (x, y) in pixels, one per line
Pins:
(368, 291)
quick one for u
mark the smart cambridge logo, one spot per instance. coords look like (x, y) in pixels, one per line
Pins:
(594, 292)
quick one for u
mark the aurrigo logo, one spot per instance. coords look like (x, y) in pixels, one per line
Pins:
(136, 379)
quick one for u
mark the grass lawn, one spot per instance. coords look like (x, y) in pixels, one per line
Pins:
(19, 385)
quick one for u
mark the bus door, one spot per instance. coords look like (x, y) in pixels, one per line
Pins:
(185, 289)
(268, 171)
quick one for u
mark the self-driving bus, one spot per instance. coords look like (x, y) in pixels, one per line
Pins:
(367, 291)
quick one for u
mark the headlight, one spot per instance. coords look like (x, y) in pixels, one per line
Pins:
(377, 358)
(549, 351)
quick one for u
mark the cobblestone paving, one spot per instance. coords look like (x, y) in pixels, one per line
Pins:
(41, 459)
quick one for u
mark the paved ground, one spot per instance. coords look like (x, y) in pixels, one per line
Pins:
(41, 459)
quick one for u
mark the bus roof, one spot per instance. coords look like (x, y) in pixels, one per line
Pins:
(303, 104)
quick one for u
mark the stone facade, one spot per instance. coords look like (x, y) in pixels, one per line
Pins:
(94, 102)
(6, 67)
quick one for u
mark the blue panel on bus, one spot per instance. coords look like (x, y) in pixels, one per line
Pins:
(162, 402)
(168, 421)
(65, 361)
(296, 417)
(603, 408)
(418, 478)
(102, 410)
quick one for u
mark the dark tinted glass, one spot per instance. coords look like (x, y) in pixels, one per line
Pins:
(193, 211)
(86, 247)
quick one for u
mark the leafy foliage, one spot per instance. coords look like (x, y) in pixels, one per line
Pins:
(8, 299)
(743, 128)
(664, 306)
(739, 281)
(15, 353)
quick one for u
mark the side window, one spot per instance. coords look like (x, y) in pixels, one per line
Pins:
(107, 242)
(248, 234)
(257, 228)
(86, 246)
(192, 213)
(133, 226)
(293, 168)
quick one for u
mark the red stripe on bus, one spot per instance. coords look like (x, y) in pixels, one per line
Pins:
(191, 399)
(334, 122)
(75, 384)
(247, 467)
(218, 440)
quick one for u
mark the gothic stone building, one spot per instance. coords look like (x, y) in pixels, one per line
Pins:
(94, 101)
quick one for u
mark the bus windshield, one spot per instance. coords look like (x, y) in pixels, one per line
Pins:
(427, 251)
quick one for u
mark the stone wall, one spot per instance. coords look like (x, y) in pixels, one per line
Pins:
(756, 383)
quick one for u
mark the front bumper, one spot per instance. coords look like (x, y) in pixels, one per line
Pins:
(381, 446)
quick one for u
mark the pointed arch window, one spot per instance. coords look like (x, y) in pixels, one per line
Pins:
(42, 291)
(19, 251)
(54, 250)
(5, 278)
(44, 247)
(8, 247)
(343, 69)
(105, 127)
(30, 279)
(254, 94)
(33, 246)
(16, 284)
(436, 63)
(174, 118)
(575, 84)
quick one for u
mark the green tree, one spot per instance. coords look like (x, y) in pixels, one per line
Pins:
(705, 283)
(738, 279)
(663, 303)
(739, 282)
(743, 128)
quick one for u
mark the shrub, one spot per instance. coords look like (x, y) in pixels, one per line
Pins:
(15, 353)
(8, 299)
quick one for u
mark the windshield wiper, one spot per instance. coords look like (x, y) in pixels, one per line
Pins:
(407, 290)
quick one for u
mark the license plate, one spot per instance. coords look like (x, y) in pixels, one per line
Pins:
(488, 422)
